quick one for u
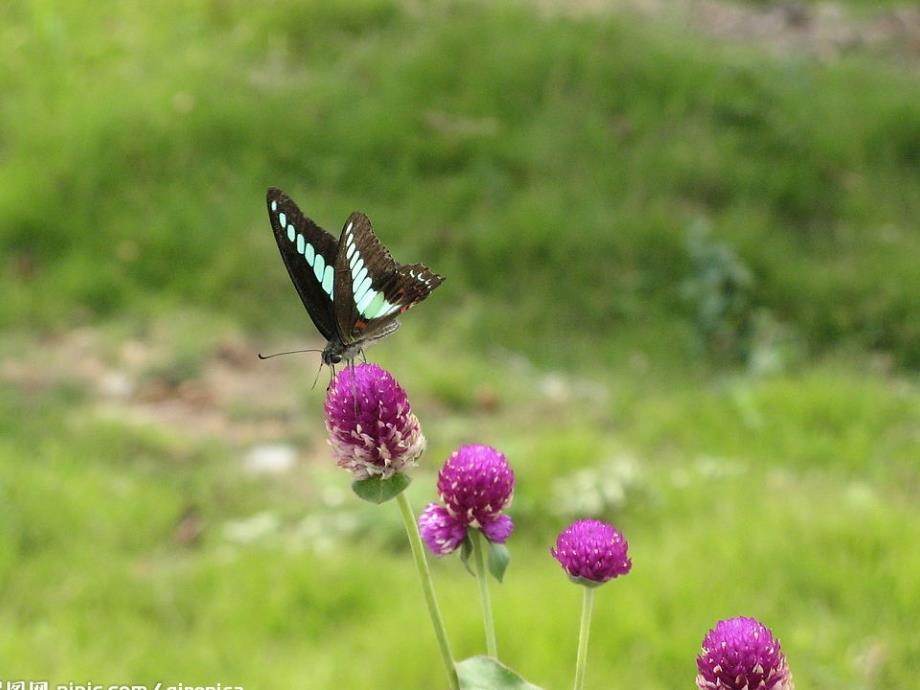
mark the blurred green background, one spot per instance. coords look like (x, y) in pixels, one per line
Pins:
(683, 294)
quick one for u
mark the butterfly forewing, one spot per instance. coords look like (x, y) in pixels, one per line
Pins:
(309, 253)
(371, 288)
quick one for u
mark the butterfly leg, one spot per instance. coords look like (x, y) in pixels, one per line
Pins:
(354, 387)
(316, 378)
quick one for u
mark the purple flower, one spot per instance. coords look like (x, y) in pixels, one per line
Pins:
(372, 430)
(742, 654)
(476, 483)
(498, 529)
(592, 552)
(442, 532)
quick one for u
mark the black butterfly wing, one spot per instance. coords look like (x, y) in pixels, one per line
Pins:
(372, 289)
(309, 254)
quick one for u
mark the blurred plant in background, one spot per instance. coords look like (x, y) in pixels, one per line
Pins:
(722, 292)
(720, 289)
(600, 491)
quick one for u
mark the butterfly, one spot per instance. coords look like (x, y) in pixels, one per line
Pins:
(352, 288)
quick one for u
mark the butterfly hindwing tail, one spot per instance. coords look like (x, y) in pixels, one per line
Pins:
(414, 282)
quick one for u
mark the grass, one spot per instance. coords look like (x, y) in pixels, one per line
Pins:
(550, 168)
(803, 518)
(138, 184)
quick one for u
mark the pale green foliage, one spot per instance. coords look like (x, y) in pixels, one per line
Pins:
(549, 168)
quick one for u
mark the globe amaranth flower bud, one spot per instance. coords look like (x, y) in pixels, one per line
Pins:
(442, 532)
(742, 654)
(592, 552)
(476, 484)
(372, 430)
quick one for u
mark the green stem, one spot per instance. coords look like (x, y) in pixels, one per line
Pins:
(487, 619)
(581, 664)
(421, 564)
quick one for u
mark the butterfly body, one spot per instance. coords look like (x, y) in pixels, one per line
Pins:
(336, 351)
(352, 287)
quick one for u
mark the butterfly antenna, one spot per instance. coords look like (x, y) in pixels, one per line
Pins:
(292, 352)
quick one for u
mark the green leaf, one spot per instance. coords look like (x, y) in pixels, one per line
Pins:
(466, 550)
(486, 673)
(377, 490)
(499, 558)
(584, 582)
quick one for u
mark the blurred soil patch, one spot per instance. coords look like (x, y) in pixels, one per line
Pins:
(826, 31)
(222, 391)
